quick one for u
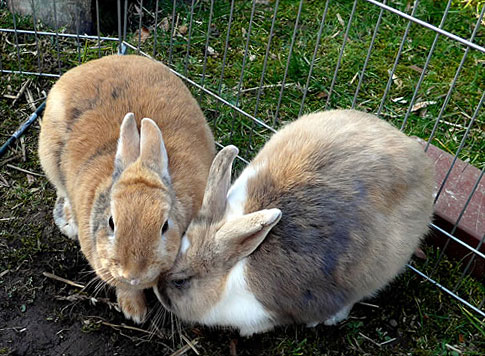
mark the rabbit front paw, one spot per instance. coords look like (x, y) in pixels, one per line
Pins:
(64, 219)
(342, 314)
(132, 304)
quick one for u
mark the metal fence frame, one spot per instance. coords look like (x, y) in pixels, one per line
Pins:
(123, 45)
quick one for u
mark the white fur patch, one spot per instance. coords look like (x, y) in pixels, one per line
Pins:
(112, 239)
(342, 314)
(184, 245)
(237, 195)
(238, 307)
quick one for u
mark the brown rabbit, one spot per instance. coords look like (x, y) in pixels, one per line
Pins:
(128, 196)
(327, 213)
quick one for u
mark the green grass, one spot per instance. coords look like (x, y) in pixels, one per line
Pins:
(250, 136)
(415, 316)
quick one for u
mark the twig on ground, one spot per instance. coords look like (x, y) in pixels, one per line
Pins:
(24, 170)
(369, 339)
(77, 297)
(452, 348)
(123, 326)
(21, 91)
(22, 146)
(369, 305)
(30, 99)
(184, 349)
(3, 181)
(19, 329)
(60, 279)
(266, 86)
(388, 341)
(190, 343)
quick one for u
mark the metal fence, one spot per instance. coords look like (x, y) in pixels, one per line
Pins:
(255, 65)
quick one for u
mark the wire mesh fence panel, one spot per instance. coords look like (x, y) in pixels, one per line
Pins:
(255, 65)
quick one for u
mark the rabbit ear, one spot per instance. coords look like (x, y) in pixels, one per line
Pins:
(218, 182)
(240, 237)
(128, 144)
(153, 153)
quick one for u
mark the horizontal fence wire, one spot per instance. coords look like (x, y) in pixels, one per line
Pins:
(192, 56)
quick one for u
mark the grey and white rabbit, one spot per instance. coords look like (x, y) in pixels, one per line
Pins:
(327, 213)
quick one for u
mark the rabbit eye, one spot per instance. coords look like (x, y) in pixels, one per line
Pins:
(111, 223)
(180, 283)
(165, 227)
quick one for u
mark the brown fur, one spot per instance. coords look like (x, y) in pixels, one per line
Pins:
(356, 199)
(77, 147)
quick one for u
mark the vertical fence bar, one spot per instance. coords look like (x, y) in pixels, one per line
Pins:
(17, 47)
(263, 72)
(206, 47)
(57, 38)
(453, 83)
(78, 42)
(266, 55)
(346, 36)
(155, 30)
(98, 32)
(462, 144)
(37, 47)
(125, 19)
(243, 66)
(396, 61)
(186, 64)
(170, 52)
(283, 83)
(226, 45)
(120, 39)
(140, 14)
(425, 68)
(367, 58)
(314, 57)
(246, 52)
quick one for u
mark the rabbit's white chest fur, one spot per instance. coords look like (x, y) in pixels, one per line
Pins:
(238, 307)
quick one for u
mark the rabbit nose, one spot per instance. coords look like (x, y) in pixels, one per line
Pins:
(129, 278)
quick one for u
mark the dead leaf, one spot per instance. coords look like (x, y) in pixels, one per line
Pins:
(416, 68)
(339, 18)
(399, 100)
(212, 52)
(321, 95)
(183, 30)
(164, 24)
(422, 105)
(143, 34)
(396, 80)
